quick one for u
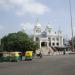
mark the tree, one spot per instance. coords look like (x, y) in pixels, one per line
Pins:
(18, 42)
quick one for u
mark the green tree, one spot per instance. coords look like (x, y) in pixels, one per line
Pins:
(18, 42)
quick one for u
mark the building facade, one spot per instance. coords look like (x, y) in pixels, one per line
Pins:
(48, 37)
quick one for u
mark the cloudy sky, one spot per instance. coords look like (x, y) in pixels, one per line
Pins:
(15, 14)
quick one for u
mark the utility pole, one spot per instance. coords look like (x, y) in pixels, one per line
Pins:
(71, 24)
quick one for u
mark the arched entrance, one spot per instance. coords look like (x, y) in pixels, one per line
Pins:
(43, 44)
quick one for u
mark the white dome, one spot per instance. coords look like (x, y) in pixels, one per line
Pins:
(38, 25)
(48, 26)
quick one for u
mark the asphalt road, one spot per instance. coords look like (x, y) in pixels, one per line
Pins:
(48, 65)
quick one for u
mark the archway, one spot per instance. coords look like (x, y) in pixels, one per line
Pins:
(43, 44)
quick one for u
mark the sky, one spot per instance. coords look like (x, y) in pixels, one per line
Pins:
(16, 14)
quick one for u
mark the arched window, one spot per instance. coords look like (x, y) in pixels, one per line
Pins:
(57, 39)
(53, 44)
(53, 39)
(57, 44)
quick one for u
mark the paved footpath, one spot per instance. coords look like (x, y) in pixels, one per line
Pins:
(48, 65)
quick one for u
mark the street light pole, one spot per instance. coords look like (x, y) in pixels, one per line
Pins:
(71, 25)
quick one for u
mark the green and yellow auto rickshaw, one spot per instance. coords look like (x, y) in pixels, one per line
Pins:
(15, 56)
(28, 55)
(4, 56)
(1, 56)
(9, 56)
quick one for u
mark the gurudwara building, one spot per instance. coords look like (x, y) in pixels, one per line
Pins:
(48, 39)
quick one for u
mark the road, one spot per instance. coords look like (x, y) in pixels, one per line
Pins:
(48, 65)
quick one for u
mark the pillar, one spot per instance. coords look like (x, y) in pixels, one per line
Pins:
(34, 38)
(40, 44)
(47, 43)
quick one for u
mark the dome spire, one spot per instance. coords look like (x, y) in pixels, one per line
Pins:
(37, 27)
(37, 24)
(48, 28)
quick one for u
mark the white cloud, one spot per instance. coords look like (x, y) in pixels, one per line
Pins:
(25, 6)
(27, 27)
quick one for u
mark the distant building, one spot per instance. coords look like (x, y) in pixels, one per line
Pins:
(47, 38)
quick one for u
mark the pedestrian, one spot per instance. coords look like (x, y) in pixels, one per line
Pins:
(49, 53)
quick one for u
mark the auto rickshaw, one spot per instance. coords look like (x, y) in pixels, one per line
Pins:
(9, 56)
(4, 56)
(1, 56)
(15, 56)
(28, 55)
